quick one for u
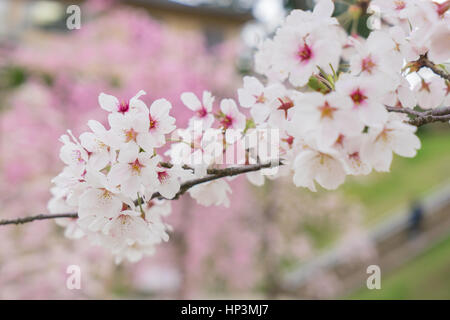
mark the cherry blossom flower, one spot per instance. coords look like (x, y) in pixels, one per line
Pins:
(262, 144)
(129, 226)
(438, 43)
(203, 110)
(161, 123)
(319, 17)
(376, 55)
(132, 170)
(131, 236)
(168, 180)
(447, 94)
(328, 116)
(323, 121)
(430, 92)
(101, 199)
(283, 107)
(58, 205)
(100, 144)
(112, 104)
(70, 186)
(264, 61)
(300, 52)
(351, 148)
(155, 209)
(403, 46)
(71, 228)
(134, 253)
(231, 117)
(366, 96)
(252, 93)
(131, 131)
(402, 96)
(349, 44)
(395, 136)
(300, 45)
(212, 193)
(325, 167)
(256, 96)
(398, 9)
(73, 154)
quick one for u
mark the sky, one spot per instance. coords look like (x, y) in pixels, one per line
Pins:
(269, 14)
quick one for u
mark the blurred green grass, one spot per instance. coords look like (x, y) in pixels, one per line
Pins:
(382, 194)
(425, 277)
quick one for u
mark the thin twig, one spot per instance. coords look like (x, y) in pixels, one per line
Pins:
(420, 118)
(213, 174)
(169, 165)
(425, 62)
(38, 217)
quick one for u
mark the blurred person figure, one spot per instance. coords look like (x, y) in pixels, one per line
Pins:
(416, 217)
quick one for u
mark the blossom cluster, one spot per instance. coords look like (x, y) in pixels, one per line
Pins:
(37, 111)
(324, 94)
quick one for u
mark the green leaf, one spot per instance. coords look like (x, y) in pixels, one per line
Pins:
(315, 84)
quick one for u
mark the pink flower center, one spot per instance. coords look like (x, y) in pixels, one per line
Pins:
(340, 140)
(153, 122)
(327, 111)
(162, 176)
(77, 156)
(384, 135)
(261, 98)
(130, 135)
(304, 53)
(227, 121)
(442, 7)
(425, 86)
(106, 194)
(367, 64)
(123, 107)
(289, 140)
(285, 105)
(123, 218)
(354, 156)
(358, 97)
(136, 166)
(201, 113)
(399, 5)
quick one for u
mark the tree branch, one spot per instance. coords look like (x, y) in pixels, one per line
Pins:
(425, 62)
(420, 118)
(38, 217)
(213, 174)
